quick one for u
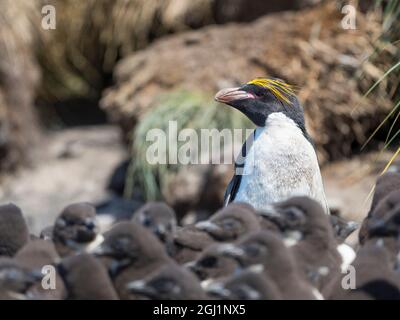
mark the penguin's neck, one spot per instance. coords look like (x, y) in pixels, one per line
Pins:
(280, 125)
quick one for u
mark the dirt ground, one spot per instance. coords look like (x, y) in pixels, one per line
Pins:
(76, 164)
(73, 165)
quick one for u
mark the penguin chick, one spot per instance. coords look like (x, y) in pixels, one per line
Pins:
(230, 223)
(16, 281)
(386, 205)
(247, 285)
(278, 161)
(386, 184)
(342, 228)
(75, 230)
(267, 225)
(211, 264)
(14, 232)
(226, 225)
(374, 279)
(386, 219)
(160, 219)
(86, 278)
(188, 243)
(130, 252)
(308, 232)
(384, 224)
(36, 255)
(266, 251)
(170, 282)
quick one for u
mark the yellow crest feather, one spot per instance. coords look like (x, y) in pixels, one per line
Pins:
(281, 90)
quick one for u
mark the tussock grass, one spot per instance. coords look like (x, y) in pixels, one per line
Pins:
(388, 54)
(191, 110)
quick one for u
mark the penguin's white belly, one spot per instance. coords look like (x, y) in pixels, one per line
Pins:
(280, 164)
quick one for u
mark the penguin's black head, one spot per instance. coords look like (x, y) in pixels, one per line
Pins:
(259, 98)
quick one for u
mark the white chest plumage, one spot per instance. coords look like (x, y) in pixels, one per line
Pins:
(280, 164)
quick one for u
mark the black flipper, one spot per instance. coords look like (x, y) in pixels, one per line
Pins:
(232, 188)
(234, 184)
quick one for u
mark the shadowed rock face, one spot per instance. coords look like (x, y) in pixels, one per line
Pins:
(248, 10)
(103, 32)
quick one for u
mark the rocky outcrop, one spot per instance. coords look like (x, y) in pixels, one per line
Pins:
(308, 48)
(76, 59)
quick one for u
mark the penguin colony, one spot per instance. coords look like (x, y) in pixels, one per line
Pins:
(273, 239)
(293, 250)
